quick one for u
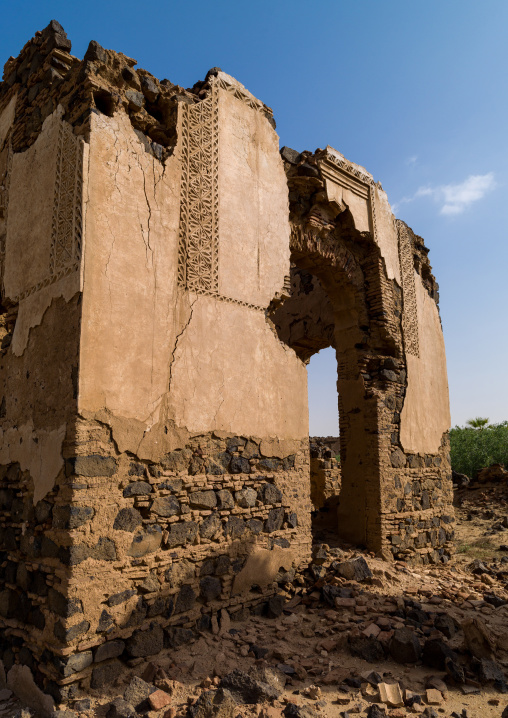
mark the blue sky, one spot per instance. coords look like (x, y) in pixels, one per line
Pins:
(414, 91)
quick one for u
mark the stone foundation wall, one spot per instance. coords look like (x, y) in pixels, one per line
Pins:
(140, 555)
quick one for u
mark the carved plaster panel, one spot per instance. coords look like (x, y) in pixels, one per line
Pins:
(410, 311)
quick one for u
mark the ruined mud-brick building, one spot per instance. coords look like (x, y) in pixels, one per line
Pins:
(166, 273)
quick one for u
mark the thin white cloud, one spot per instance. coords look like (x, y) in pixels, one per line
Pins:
(412, 160)
(454, 198)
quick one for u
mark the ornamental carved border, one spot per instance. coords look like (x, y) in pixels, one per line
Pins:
(4, 206)
(198, 254)
(410, 309)
(67, 224)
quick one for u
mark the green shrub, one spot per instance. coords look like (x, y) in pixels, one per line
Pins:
(477, 445)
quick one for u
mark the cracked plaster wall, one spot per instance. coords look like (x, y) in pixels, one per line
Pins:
(157, 363)
(36, 366)
(425, 416)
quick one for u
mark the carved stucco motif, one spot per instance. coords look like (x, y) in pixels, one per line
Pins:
(67, 214)
(410, 312)
(199, 212)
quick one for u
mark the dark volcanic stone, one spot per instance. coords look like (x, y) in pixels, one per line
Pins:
(225, 499)
(127, 519)
(75, 663)
(274, 520)
(270, 494)
(165, 506)
(137, 693)
(65, 607)
(110, 649)
(210, 588)
(435, 653)
(66, 635)
(234, 527)
(105, 622)
(405, 646)
(239, 465)
(179, 636)
(119, 708)
(93, 465)
(203, 499)
(118, 598)
(356, 569)
(455, 670)
(185, 599)
(445, 624)
(182, 533)
(368, 648)
(254, 525)
(209, 527)
(275, 606)
(246, 689)
(71, 517)
(214, 704)
(137, 488)
(145, 643)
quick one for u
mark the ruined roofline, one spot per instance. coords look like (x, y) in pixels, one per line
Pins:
(45, 75)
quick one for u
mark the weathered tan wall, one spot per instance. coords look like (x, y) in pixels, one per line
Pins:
(426, 413)
(158, 362)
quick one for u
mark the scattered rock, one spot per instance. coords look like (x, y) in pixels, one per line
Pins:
(246, 689)
(214, 704)
(356, 569)
(137, 693)
(405, 646)
(120, 708)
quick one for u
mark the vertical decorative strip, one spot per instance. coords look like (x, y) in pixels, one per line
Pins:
(410, 311)
(4, 207)
(198, 265)
(66, 236)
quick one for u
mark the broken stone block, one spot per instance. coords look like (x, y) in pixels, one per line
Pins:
(137, 693)
(356, 569)
(435, 652)
(214, 704)
(404, 646)
(368, 648)
(106, 674)
(246, 689)
(390, 694)
(433, 697)
(120, 708)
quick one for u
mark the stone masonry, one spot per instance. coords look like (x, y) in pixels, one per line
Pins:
(166, 274)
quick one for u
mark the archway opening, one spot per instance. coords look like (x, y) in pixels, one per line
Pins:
(324, 444)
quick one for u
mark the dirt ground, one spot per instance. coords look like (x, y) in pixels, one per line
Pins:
(310, 645)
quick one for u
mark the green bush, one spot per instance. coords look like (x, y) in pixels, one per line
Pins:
(477, 445)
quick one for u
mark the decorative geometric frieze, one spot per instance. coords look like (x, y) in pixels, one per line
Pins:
(66, 231)
(410, 310)
(198, 260)
(5, 182)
